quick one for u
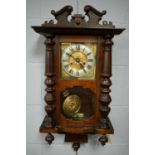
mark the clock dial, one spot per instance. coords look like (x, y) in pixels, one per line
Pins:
(78, 60)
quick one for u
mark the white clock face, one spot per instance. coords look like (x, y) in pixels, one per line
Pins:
(78, 60)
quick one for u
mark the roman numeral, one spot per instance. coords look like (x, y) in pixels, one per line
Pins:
(77, 47)
(71, 49)
(89, 67)
(64, 60)
(77, 73)
(66, 66)
(88, 54)
(68, 54)
(71, 71)
(90, 60)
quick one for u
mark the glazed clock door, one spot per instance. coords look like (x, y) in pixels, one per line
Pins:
(78, 79)
(78, 103)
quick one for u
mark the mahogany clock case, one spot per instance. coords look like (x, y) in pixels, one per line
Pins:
(89, 95)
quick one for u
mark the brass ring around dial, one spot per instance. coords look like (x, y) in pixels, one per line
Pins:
(71, 105)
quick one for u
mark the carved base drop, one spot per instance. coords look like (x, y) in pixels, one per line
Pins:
(76, 146)
(49, 138)
(76, 139)
(103, 139)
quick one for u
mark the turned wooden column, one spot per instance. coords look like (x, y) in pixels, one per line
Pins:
(105, 97)
(50, 83)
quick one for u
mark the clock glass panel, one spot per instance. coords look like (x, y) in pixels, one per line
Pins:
(78, 103)
(78, 60)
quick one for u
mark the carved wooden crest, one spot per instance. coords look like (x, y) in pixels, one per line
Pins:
(94, 16)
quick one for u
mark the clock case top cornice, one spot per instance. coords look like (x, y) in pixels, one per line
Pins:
(77, 25)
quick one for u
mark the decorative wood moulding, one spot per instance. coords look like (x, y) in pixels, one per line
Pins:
(78, 20)
(78, 62)
(78, 23)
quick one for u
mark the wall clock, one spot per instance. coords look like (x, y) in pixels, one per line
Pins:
(78, 70)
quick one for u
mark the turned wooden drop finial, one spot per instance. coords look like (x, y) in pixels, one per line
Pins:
(49, 138)
(103, 139)
(76, 146)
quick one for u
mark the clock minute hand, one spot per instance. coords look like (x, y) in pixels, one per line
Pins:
(70, 55)
(82, 67)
